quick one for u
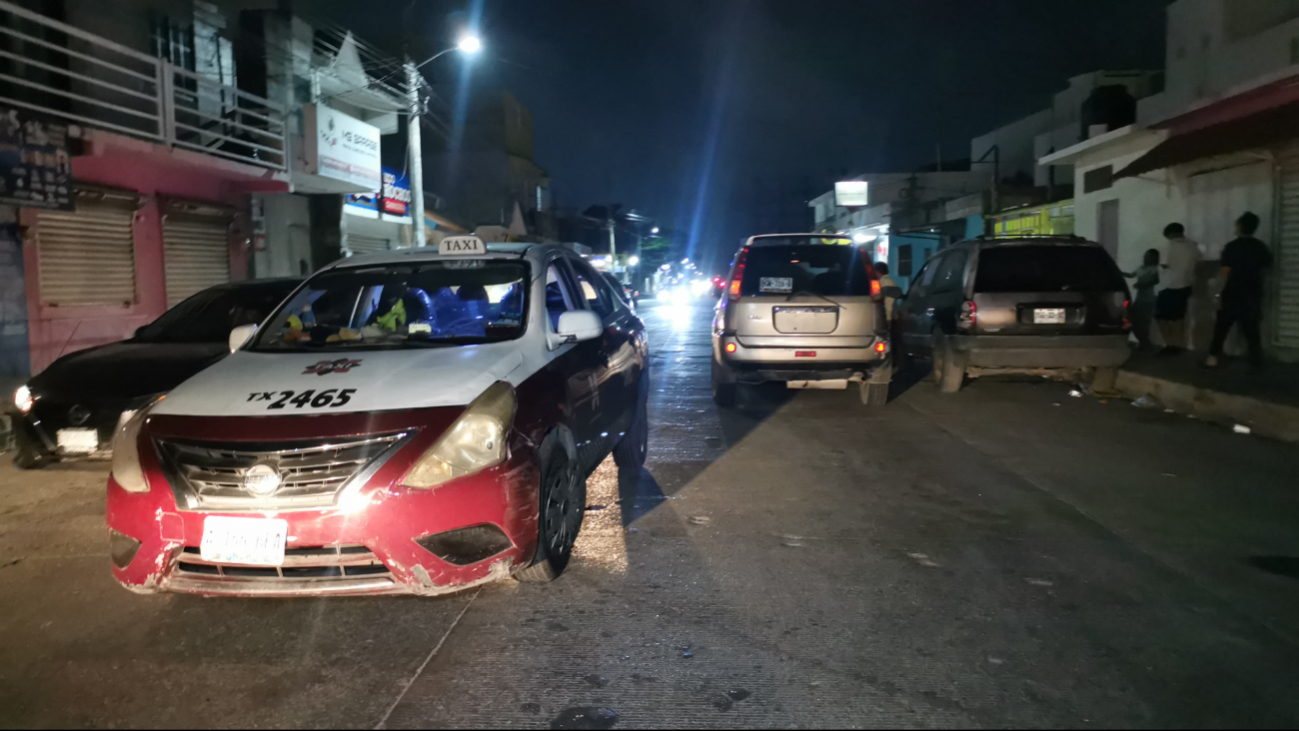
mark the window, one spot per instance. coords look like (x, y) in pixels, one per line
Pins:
(593, 288)
(813, 269)
(1098, 179)
(559, 299)
(950, 273)
(1050, 268)
(904, 260)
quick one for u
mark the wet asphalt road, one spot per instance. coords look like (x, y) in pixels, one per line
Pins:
(1008, 556)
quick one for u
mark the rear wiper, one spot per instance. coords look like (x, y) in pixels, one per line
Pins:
(792, 295)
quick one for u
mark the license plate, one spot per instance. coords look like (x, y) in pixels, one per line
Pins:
(250, 541)
(1048, 316)
(782, 285)
(78, 441)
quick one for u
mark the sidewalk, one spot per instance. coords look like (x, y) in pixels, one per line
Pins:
(1266, 401)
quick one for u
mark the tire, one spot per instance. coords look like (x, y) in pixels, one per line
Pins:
(724, 387)
(563, 505)
(874, 394)
(949, 367)
(630, 452)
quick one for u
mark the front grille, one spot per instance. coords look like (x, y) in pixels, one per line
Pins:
(315, 563)
(210, 476)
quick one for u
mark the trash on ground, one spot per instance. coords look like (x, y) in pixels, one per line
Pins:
(1241, 429)
(1076, 393)
(1146, 402)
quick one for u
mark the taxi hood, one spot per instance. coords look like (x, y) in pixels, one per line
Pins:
(331, 382)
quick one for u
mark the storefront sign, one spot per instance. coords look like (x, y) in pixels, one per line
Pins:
(342, 147)
(35, 165)
(850, 193)
(395, 196)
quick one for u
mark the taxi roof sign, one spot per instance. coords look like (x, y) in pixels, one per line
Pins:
(461, 246)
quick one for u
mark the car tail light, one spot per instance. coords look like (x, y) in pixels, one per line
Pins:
(1127, 319)
(881, 346)
(804, 353)
(738, 277)
(969, 316)
(730, 347)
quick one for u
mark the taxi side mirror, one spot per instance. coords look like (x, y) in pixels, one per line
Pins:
(579, 325)
(241, 335)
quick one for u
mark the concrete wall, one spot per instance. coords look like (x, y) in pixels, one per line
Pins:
(288, 245)
(1014, 142)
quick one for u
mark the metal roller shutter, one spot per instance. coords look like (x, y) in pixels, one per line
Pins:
(359, 244)
(1287, 253)
(196, 253)
(87, 256)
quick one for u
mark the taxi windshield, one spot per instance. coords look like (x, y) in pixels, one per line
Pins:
(431, 304)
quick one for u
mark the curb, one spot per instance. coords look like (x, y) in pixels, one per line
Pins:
(1263, 418)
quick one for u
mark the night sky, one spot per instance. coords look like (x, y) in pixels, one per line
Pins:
(674, 107)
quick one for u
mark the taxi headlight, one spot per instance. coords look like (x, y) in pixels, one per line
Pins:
(23, 399)
(126, 453)
(475, 442)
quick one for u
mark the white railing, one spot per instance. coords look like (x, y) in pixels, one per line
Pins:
(60, 70)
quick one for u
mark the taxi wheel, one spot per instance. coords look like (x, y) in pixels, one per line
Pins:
(563, 504)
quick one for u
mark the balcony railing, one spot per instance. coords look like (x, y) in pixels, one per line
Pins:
(65, 72)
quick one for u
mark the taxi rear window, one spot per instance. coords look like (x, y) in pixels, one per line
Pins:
(432, 304)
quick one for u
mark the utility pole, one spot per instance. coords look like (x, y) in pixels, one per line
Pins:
(416, 155)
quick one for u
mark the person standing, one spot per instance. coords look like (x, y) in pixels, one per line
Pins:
(889, 289)
(1179, 278)
(1143, 307)
(1244, 261)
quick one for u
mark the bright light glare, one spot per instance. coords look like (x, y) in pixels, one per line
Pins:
(860, 238)
(23, 399)
(633, 261)
(685, 261)
(654, 230)
(470, 44)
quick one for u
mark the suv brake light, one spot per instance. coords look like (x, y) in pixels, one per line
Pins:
(738, 277)
(1127, 318)
(969, 315)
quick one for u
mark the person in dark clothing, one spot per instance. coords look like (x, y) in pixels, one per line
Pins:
(1244, 261)
(1143, 307)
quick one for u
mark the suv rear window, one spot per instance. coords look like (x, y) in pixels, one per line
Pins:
(1045, 268)
(825, 270)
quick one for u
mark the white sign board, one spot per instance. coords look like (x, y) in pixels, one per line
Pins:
(342, 147)
(850, 193)
(461, 246)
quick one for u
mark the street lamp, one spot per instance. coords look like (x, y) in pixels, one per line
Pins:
(469, 45)
(634, 261)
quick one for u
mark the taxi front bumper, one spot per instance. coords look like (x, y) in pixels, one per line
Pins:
(390, 540)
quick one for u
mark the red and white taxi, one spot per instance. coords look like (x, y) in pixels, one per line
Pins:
(417, 421)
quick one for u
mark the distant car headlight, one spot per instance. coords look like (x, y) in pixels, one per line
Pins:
(127, 471)
(475, 442)
(23, 399)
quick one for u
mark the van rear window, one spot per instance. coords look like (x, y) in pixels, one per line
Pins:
(1044, 268)
(825, 270)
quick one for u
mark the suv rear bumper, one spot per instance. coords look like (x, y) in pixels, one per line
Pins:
(757, 365)
(1031, 351)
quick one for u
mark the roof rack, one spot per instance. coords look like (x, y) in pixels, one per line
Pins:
(994, 237)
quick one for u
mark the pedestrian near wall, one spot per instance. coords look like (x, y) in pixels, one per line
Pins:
(1178, 277)
(889, 289)
(1143, 306)
(1245, 259)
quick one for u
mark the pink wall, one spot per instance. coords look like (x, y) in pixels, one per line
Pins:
(157, 173)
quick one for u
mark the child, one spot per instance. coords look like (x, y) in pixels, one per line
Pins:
(1143, 307)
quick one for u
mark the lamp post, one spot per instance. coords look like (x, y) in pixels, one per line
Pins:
(468, 45)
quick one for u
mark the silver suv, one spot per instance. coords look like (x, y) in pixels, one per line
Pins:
(1025, 305)
(804, 309)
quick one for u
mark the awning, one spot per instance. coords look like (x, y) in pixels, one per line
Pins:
(1261, 129)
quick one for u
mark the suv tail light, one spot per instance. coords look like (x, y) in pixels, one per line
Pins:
(738, 277)
(1127, 317)
(969, 316)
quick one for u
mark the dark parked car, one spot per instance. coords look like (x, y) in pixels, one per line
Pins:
(71, 409)
(1027, 304)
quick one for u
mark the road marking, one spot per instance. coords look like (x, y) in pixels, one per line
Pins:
(424, 664)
